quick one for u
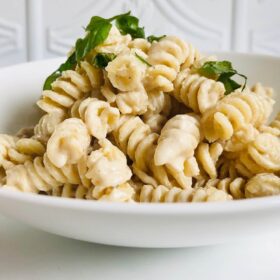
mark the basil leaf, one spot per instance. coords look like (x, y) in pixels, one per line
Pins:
(152, 38)
(142, 59)
(99, 31)
(230, 85)
(221, 71)
(128, 24)
(213, 69)
(69, 64)
(101, 60)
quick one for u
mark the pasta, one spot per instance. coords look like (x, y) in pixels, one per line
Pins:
(166, 56)
(15, 151)
(197, 92)
(234, 187)
(262, 155)
(130, 118)
(99, 117)
(68, 143)
(263, 184)
(70, 87)
(107, 166)
(115, 42)
(126, 72)
(208, 155)
(136, 140)
(40, 175)
(46, 126)
(121, 193)
(158, 110)
(140, 44)
(233, 112)
(163, 194)
(177, 142)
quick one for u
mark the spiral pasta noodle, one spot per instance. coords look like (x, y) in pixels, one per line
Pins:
(263, 184)
(261, 156)
(140, 44)
(232, 186)
(158, 110)
(99, 117)
(193, 56)
(197, 92)
(107, 166)
(207, 156)
(70, 191)
(115, 42)
(70, 87)
(165, 56)
(178, 140)
(121, 193)
(68, 143)
(164, 195)
(41, 175)
(15, 151)
(135, 139)
(233, 112)
(46, 126)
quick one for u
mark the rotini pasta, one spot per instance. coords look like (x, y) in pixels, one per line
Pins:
(99, 117)
(264, 184)
(126, 72)
(107, 166)
(46, 126)
(115, 42)
(120, 193)
(129, 118)
(68, 143)
(261, 156)
(136, 140)
(234, 112)
(178, 140)
(234, 187)
(207, 156)
(70, 87)
(163, 194)
(197, 92)
(166, 57)
(40, 175)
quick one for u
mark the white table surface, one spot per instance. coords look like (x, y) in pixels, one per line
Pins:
(27, 253)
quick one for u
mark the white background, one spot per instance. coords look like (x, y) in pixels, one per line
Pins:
(37, 29)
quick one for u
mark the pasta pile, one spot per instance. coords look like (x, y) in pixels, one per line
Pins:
(146, 127)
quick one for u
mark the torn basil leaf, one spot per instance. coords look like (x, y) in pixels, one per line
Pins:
(152, 38)
(221, 71)
(101, 60)
(142, 59)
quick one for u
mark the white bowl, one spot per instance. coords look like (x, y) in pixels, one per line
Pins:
(135, 225)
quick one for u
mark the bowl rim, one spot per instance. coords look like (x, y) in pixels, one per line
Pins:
(198, 208)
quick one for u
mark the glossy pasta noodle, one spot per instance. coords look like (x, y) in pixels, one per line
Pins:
(129, 118)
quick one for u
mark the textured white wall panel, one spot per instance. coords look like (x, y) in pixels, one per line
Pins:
(36, 29)
(12, 32)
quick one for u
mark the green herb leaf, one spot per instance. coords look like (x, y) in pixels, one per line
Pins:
(101, 60)
(67, 65)
(221, 71)
(230, 85)
(128, 24)
(142, 59)
(98, 31)
(152, 38)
